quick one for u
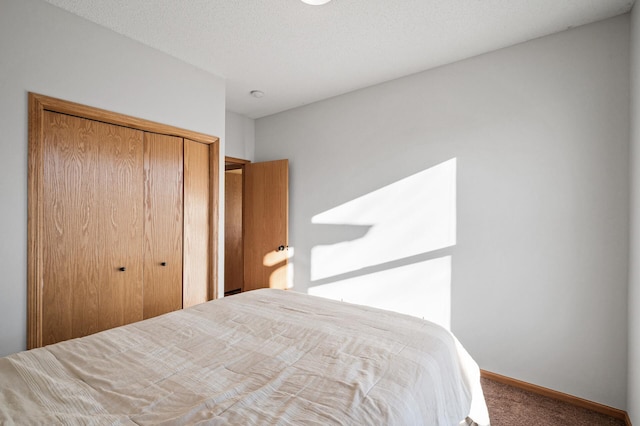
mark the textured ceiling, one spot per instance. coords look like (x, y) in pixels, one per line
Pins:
(297, 54)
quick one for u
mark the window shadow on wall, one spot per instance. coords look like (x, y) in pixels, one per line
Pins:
(391, 248)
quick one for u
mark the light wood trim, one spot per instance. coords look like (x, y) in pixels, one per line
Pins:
(559, 396)
(233, 247)
(214, 225)
(232, 163)
(34, 224)
(37, 105)
(97, 114)
(235, 160)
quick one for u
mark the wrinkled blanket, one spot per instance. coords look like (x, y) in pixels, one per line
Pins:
(265, 357)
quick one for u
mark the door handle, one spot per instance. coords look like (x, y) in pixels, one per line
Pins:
(281, 248)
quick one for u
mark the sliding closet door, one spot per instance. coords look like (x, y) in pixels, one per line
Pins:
(197, 223)
(163, 165)
(92, 226)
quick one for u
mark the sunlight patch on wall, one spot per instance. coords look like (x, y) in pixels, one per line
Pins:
(281, 265)
(412, 216)
(421, 289)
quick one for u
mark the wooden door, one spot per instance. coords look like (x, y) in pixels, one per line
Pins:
(163, 207)
(266, 218)
(197, 223)
(92, 226)
(86, 222)
(233, 255)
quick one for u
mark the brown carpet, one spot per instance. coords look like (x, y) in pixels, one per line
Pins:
(511, 406)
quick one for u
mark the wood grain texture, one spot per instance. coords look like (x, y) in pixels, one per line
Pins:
(231, 161)
(38, 104)
(214, 218)
(72, 108)
(92, 226)
(197, 204)
(233, 247)
(560, 396)
(34, 225)
(266, 217)
(163, 207)
(122, 169)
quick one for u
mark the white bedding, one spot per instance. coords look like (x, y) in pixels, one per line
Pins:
(266, 357)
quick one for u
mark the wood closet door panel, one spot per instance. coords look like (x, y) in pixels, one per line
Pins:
(92, 226)
(197, 217)
(163, 167)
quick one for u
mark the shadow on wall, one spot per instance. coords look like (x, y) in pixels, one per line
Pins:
(388, 248)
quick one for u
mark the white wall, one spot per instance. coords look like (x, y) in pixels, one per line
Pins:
(49, 51)
(540, 134)
(633, 395)
(240, 136)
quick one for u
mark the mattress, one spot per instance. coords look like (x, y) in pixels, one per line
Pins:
(265, 357)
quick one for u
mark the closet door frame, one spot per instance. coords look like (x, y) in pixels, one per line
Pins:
(38, 104)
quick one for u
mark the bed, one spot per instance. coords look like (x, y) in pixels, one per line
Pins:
(264, 357)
